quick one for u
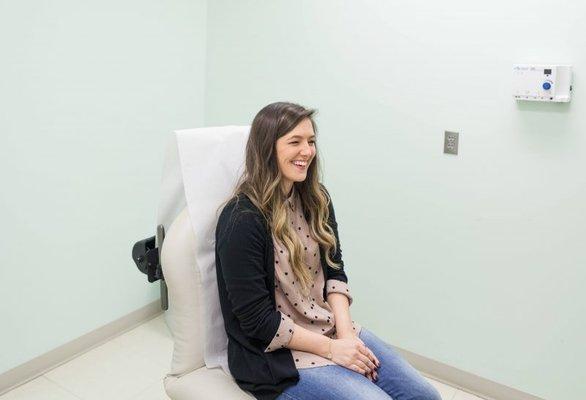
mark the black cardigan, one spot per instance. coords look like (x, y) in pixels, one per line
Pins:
(245, 269)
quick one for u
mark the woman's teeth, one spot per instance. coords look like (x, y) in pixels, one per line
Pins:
(300, 165)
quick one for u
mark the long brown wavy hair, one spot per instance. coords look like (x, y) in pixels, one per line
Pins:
(261, 182)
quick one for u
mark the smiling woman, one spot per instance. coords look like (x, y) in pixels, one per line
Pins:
(295, 151)
(283, 290)
(281, 135)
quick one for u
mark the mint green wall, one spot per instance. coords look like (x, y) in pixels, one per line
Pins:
(475, 260)
(89, 92)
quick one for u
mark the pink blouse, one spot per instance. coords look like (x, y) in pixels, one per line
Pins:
(311, 312)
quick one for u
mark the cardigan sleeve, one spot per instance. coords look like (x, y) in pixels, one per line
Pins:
(240, 245)
(283, 335)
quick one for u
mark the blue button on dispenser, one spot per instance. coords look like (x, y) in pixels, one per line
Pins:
(546, 85)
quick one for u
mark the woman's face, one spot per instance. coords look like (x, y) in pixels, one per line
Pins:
(296, 145)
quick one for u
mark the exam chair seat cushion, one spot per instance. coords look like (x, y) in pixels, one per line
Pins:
(204, 383)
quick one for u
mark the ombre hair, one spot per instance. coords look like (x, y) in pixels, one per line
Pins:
(261, 182)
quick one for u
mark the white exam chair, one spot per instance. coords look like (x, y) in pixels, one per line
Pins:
(200, 171)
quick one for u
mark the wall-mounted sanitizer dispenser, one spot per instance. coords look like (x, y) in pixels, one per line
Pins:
(542, 82)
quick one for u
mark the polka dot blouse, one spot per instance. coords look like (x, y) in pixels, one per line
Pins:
(312, 313)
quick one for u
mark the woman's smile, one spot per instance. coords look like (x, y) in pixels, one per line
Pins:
(300, 167)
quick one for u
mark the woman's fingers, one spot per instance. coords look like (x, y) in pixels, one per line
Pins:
(370, 376)
(370, 353)
(363, 372)
(356, 368)
(367, 361)
(365, 351)
(373, 358)
(362, 366)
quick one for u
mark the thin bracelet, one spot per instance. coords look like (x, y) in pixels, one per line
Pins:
(329, 355)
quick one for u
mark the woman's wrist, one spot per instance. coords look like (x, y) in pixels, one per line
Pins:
(326, 347)
(346, 334)
(329, 354)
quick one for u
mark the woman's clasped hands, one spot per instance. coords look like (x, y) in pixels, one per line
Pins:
(352, 353)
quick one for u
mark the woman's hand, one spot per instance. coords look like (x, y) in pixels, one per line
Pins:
(352, 353)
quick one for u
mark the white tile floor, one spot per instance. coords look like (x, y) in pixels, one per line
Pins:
(129, 367)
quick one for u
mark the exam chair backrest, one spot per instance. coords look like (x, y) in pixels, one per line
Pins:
(184, 316)
(201, 170)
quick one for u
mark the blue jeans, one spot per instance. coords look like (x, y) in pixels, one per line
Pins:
(397, 379)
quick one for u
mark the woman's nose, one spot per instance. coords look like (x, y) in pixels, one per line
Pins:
(306, 151)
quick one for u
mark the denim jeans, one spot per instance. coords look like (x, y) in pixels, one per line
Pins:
(397, 379)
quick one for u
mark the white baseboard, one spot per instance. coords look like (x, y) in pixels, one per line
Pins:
(62, 354)
(463, 380)
(436, 370)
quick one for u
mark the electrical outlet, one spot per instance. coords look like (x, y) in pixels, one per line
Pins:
(451, 142)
